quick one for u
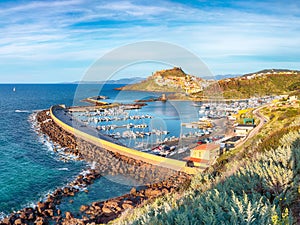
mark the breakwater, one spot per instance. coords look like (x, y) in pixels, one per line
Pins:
(111, 146)
(155, 181)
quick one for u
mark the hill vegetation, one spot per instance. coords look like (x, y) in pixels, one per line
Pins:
(260, 186)
(262, 83)
(259, 183)
(266, 82)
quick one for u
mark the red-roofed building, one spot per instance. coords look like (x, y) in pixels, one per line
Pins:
(203, 155)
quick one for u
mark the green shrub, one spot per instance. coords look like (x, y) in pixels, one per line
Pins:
(256, 190)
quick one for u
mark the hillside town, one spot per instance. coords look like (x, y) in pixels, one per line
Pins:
(188, 83)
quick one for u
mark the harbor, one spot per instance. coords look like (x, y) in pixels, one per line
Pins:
(134, 129)
(165, 137)
(137, 127)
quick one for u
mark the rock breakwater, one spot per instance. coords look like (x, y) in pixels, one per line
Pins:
(152, 181)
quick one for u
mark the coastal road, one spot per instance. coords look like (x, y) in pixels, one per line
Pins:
(263, 121)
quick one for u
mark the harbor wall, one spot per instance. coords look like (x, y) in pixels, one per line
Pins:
(122, 150)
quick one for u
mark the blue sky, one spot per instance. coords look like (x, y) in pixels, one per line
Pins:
(57, 41)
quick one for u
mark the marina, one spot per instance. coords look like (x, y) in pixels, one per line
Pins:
(135, 127)
(221, 109)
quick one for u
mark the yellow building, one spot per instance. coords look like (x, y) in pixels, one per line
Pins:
(203, 155)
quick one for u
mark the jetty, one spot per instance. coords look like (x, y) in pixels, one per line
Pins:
(95, 108)
(162, 98)
(96, 100)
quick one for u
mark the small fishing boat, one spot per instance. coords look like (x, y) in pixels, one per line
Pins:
(182, 150)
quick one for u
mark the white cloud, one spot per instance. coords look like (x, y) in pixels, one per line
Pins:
(38, 5)
(51, 31)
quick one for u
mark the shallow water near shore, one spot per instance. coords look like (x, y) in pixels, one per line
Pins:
(28, 168)
(102, 189)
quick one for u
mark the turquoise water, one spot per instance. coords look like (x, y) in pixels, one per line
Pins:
(29, 169)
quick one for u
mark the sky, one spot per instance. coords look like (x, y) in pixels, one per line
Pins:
(58, 41)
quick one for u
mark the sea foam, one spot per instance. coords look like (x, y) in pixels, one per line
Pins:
(22, 111)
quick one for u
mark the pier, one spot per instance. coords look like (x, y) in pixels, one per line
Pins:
(95, 108)
(96, 100)
(162, 98)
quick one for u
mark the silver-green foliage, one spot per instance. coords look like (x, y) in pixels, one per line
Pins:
(259, 192)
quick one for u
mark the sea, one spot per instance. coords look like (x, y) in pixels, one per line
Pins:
(29, 168)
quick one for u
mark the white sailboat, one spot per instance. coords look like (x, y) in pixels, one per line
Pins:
(14, 89)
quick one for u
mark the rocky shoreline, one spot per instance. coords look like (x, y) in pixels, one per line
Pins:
(153, 181)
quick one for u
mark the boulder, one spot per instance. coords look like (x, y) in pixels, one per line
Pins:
(18, 221)
(41, 206)
(31, 216)
(84, 208)
(23, 215)
(40, 221)
(49, 212)
(106, 210)
(111, 204)
(150, 193)
(6, 221)
(66, 190)
(85, 218)
(127, 206)
(97, 208)
(128, 202)
(133, 191)
(57, 219)
(94, 204)
(69, 215)
(51, 205)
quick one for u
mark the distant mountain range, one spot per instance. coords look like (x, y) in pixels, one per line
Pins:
(120, 81)
(221, 77)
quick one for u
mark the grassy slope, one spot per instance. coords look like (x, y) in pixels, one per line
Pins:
(280, 117)
(148, 85)
(259, 188)
(260, 86)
